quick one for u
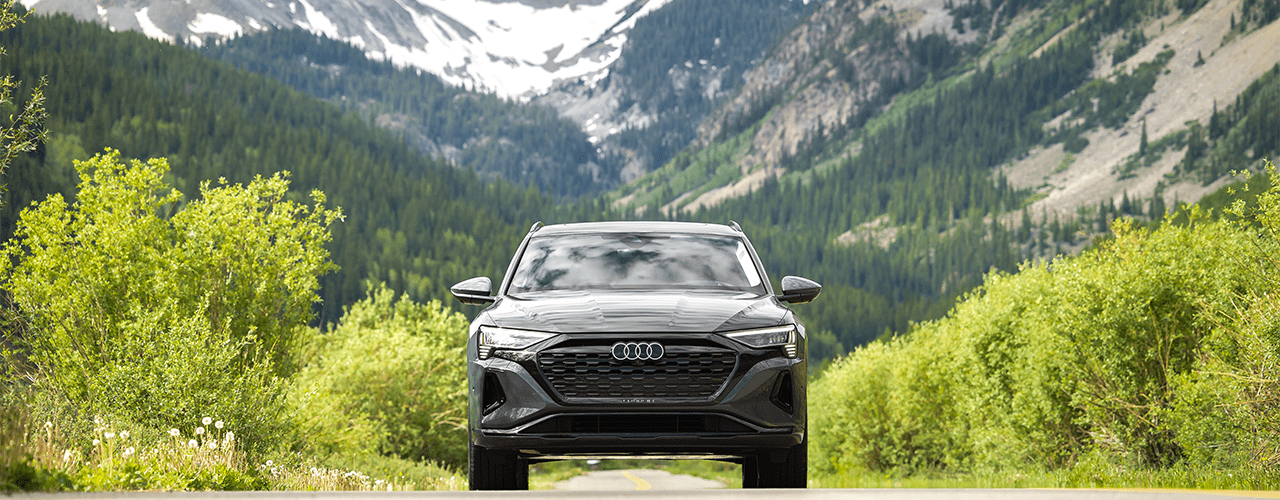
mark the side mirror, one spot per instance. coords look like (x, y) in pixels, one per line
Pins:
(797, 290)
(475, 291)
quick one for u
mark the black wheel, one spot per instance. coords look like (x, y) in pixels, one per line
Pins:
(496, 470)
(785, 468)
(751, 472)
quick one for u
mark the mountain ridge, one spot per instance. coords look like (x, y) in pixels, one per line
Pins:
(513, 48)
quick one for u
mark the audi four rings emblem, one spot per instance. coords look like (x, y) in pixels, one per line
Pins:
(637, 351)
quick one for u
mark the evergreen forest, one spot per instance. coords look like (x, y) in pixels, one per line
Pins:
(681, 60)
(522, 143)
(261, 233)
(412, 221)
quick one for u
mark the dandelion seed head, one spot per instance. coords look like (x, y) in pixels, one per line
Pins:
(97, 420)
(124, 434)
(109, 435)
(206, 420)
(199, 431)
(128, 451)
(231, 436)
(97, 442)
(270, 463)
(48, 424)
(213, 445)
(175, 432)
(193, 444)
(218, 424)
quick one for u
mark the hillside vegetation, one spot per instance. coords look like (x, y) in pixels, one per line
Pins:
(1154, 351)
(524, 144)
(863, 139)
(158, 343)
(416, 223)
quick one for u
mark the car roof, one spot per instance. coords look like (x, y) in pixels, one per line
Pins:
(640, 227)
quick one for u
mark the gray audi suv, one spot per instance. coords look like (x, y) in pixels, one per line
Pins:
(637, 340)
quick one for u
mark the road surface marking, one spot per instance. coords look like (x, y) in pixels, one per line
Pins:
(641, 484)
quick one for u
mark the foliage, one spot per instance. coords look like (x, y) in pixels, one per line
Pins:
(681, 59)
(393, 371)
(1238, 136)
(206, 456)
(525, 143)
(1109, 102)
(138, 307)
(418, 224)
(1150, 351)
(25, 127)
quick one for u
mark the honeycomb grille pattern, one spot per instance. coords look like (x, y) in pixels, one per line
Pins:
(681, 373)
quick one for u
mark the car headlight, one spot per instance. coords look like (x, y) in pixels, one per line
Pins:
(492, 337)
(779, 336)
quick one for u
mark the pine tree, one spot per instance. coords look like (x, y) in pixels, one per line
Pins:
(1142, 143)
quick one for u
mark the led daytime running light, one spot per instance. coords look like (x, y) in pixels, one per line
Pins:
(781, 336)
(492, 337)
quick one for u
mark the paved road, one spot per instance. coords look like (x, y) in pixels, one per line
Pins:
(813, 494)
(659, 484)
(635, 480)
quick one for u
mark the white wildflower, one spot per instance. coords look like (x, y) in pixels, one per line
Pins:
(193, 444)
(124, 434)
(213, 444)
(109, 435)
(97, 442)
(218, 424)
(175, 432)
(128, 451)
(199, 431)
(231, 436)
(206, 420)
(270, 463)
(48, 424)
(97, 420)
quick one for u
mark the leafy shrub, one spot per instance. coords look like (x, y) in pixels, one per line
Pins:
(1156, 348)
(152, 320)
(390, 377)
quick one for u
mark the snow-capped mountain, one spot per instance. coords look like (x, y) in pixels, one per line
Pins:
(514, 48)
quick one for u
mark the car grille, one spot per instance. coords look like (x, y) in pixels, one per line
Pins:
(684, 372)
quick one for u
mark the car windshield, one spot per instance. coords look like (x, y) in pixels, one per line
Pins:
(635, 261)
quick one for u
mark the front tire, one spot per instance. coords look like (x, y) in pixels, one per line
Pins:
(786, 468)
(496, 469)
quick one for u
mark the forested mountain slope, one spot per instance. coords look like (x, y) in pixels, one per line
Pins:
(869, 146)
(1161, 62)
(678, 64)
(416, 223)
(511, 48)
(895, 203)
(524, 143)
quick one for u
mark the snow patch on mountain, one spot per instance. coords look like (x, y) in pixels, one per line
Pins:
(149, 28)
(515, 48)
(214, 24)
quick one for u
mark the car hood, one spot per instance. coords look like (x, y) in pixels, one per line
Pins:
(565, 312)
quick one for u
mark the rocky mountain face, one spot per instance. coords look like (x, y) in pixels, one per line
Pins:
(842, 63)
(514, 48)
(854, 60)
(678, 64)
(635, 75)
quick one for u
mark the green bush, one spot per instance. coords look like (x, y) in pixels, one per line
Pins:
(1155, 349)
(392, 378)
(135, 306)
